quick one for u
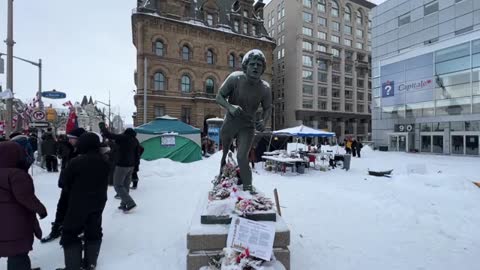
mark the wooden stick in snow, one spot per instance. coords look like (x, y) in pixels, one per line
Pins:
(277, 202)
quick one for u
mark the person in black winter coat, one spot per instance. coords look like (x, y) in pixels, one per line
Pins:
(137, 167)
(62, 204)
(49, 152)
(86, 180)
(125, 159)
(64, 150)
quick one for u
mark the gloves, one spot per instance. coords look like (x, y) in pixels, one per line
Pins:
(43, 214)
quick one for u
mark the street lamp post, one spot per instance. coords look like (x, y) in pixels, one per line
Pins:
(10, 43)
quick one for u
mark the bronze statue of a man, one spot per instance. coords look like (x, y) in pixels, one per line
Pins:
(241, 95)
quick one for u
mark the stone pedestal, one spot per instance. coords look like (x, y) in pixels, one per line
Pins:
(206, 240)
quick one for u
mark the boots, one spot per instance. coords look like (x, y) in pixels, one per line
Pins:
(54, 234)
(73, 257)
(92, 250)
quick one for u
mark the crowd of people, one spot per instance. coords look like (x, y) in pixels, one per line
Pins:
(353, 147)
(89, 162)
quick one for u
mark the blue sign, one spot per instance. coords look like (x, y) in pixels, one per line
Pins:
(388, 89)
(214, 134)
(54, 94)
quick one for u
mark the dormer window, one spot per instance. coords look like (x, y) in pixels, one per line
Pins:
(245, 28)
(245, 13)
(210, 19)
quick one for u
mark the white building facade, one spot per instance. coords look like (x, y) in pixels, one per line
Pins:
(426, 85)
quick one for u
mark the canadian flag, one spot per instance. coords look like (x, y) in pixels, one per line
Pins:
(68, 104)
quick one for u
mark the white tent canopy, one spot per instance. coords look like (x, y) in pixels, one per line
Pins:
(304, 131)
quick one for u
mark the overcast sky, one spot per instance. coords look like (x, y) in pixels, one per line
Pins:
(86, 48)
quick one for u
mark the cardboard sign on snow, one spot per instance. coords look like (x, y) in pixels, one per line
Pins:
(256, 236)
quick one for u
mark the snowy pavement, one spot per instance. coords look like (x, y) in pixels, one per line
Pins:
(338, 220)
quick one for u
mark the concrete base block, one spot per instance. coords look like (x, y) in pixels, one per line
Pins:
(197, 259)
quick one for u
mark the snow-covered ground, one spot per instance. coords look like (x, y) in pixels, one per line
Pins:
(338, 219)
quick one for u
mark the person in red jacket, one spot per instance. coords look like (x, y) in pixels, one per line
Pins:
(18, 206)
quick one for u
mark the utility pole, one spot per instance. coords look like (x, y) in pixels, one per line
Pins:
(10, 43)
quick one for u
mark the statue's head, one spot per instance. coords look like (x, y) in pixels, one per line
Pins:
(254, 63)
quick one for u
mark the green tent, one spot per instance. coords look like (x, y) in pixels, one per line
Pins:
(167, 137)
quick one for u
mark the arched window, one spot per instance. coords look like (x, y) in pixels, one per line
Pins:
(348, 14)
(359, 17)
(210, 86)
(210, 57)
(159, 48)
(159, 81)
(231, 60)
(185, 53)
(335, 9)
(186, 84)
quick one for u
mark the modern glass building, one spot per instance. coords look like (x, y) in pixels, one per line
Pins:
(426, 76)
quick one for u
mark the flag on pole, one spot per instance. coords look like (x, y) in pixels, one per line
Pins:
(72, 122)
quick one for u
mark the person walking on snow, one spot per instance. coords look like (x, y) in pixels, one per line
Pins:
(62, 204)
(18, 206)
(86, 181)
(124, 164)
(49, 152)
(137, 167)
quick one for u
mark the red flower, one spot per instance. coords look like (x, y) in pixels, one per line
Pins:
(234, 189)
(239, 198)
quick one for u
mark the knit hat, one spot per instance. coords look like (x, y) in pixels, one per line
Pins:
(74, 134)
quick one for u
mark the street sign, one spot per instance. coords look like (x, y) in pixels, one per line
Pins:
(38, 115)
(39, 124)
(54, 94)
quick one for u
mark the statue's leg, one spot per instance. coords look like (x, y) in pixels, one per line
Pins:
(244, 142)
(227, 139)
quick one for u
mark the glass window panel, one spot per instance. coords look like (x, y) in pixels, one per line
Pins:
(476, 46)
(336, 26)
(471, 143)
(437, 144)
(426, 144)
(322, 21)
(347, 29)
(321, 5)
(453, 91)
(335, 52)
(453, 65)
(453, 78)
(307, 3)
(427, 127)
(322, 35)
(307, 31)
(430, 8)
(457, 126)
(322, 77)
(419, 73)
(307, 90)
(159, 48)
(476, 60)
(159, 82)
(347, 42)
(210, 86)
(440, 126)
(404, 19)
(335, 79)
(476, 104)
(377, 102)
(322, 65)
(472, 125)
(308, 61)
(392, 112)
(453, 52)
(321, 48)
(308, 46)
(348, 81)
(419, 61)
(335, 39)
(422, 109)
(322, 91)
(307, 17)
(307, 75)
(392, 68)
(308, 103)
(455, 106)
(348, 68)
